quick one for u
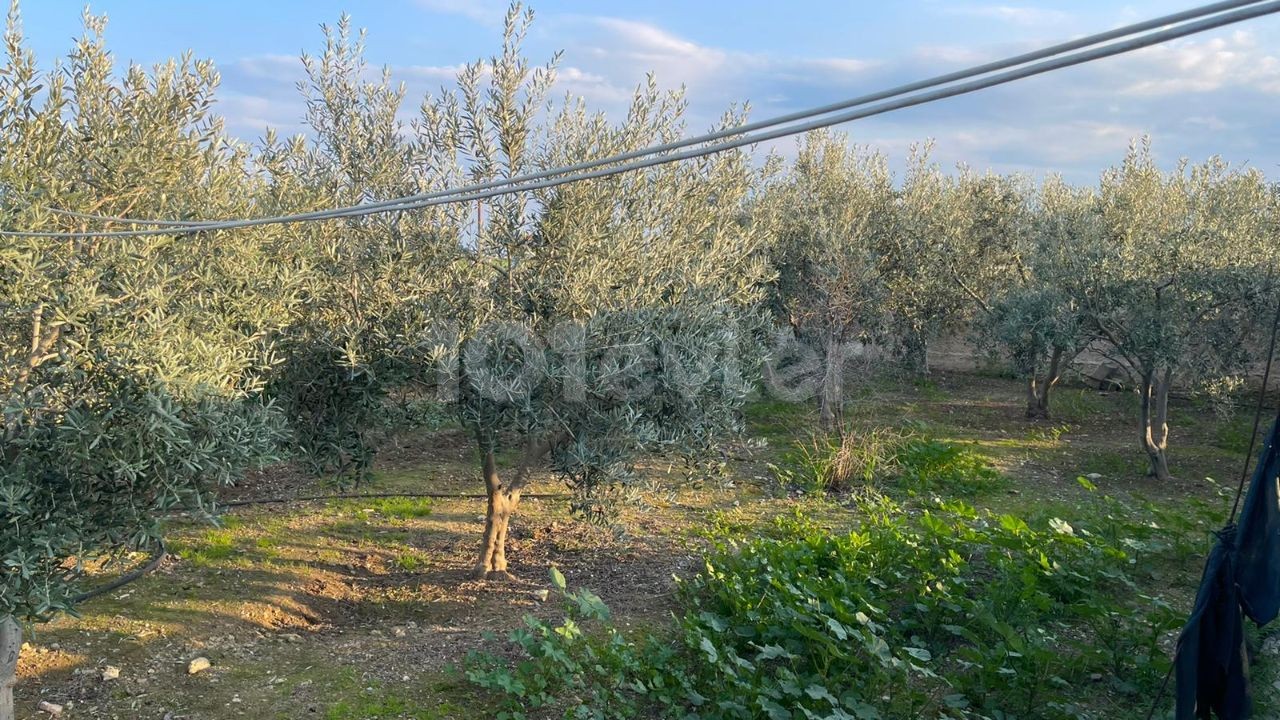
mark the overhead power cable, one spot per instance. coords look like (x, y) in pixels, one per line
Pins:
(662, 154)
(932, 82)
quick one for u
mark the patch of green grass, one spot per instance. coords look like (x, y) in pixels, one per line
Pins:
(839, 462)
(1050, 436)
(1115, 463)
(404, 508)
(410, 561)
(929, 390)
(400, 508)
(371, 708)
(1080, 405)
(775, 419)
(267, 547)
(357, 529)
(910, 456)
(382, 704)
(1233, 435)
(931, 465)
(207, 548)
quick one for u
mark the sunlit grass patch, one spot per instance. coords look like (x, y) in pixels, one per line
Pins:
(910, 458)
(381, 703)
(368, 509)
(932, 465)
(410, 560)
(401, 507)
(206, 548)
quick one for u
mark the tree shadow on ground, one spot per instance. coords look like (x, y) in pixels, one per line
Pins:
(383, 598)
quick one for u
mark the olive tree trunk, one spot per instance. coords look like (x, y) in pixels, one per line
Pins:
(831, 394)
(503, 497)
(10, 646)
(502, 502)
(1038, 390)
(1155, 421)
(916, 352)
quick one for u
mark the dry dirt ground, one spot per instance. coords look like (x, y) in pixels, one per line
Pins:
(352, 609)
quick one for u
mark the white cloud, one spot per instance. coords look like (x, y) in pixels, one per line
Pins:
(1210, 122)
(839, 66)
(621, 52)
(951, 55)
(445, 74)
(249, 116)
(1198, 66)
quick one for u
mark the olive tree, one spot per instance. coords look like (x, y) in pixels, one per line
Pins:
(579, 324)
(1033, 319)
(832, 213)
(954, 241)
(635, 285)
(1178, 280)
(128, 368)
(372, 283)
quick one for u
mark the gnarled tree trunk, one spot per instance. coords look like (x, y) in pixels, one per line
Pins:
(1155, 421)
(502, 503)
(1038, 391)
(503, 497)
(10, 646)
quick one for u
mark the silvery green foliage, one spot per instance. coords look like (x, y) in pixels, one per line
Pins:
(860, 260)
(986, 233)
(93, 454)
(658, 379)
(369, 286)
(650, 270)
(1034, 314)
(925, 301)
(127, 367)
(835, 211)
(494, 308)
(955, 241)
(670, 252)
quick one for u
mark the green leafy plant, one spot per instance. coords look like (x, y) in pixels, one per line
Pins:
(584, 666)
(931, 465)
(945, 612)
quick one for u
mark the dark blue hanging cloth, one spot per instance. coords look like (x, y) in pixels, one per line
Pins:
(1241, 579)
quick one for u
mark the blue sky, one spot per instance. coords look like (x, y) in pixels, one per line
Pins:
(1213, 94)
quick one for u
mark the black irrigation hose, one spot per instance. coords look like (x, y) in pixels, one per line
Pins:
(157, 556)
(374, 496)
